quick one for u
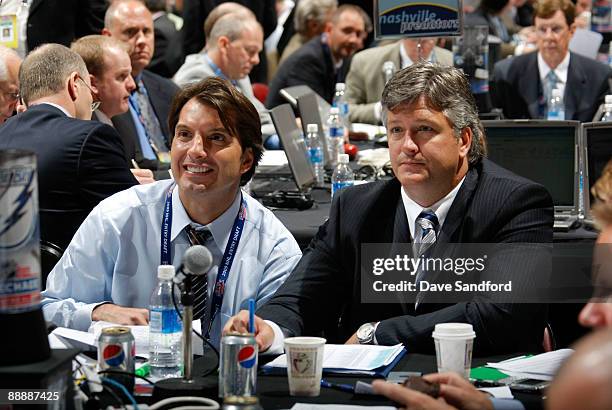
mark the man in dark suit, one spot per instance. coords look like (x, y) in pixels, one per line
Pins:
(444, 193)
(523, 87)
(80, 162)
(323, 61)
(144, 128)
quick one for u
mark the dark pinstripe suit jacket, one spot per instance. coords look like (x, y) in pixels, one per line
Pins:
(323, 293)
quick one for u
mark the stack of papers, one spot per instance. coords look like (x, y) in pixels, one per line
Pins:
(541, 367)
(367, 360)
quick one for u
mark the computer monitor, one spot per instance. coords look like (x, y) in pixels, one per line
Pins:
(291, 95)
(310, 114)
(543, 151)
(596, 147)
(294, 145)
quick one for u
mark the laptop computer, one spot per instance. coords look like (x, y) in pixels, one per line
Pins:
(596, 148)
(310, 113)
(297, 156)
(545, 152)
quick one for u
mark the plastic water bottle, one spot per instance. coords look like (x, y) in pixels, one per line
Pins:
(343, 175)
(340, 102)
(607, 114)
(165, 328)
(335, 135)
(556, 110)
(315, 152)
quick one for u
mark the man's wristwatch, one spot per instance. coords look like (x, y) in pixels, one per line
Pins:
(365, 333)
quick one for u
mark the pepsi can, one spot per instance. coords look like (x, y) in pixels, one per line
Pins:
(116, 351)
(238, 370)
(241, 403)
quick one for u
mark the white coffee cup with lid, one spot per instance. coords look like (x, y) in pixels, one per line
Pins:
(454, 343)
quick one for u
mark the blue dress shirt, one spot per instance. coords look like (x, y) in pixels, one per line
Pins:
(114, 255)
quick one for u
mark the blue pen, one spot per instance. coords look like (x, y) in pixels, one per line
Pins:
(338, 386)
(252, 316)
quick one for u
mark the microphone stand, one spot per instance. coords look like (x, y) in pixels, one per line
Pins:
(188, 385)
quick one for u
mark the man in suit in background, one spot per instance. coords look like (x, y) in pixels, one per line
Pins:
(523, 87)
(110, 70)
(323, 61)
(9, 82)
(80, 162)
(52, 21)
(444, 193)
(366, 78)
(168, 55)
(144, 128)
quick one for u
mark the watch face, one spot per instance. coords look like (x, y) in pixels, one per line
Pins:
(365, 333)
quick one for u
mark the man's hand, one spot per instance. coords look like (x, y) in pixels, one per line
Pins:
(459, 392)
(264, 334)
(144, 176)
(352, 340)
(121, 315)
(409, 399)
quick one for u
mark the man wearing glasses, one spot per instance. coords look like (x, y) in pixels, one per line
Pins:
(523, 86)
(9, 82)
(80, 162)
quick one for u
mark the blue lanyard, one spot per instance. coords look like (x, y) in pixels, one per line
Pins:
(226, 260)
(218, 71)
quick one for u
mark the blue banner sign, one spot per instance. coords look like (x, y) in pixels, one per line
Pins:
(417, 18)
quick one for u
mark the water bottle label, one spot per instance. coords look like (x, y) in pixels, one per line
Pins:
(337, 186)
(164, 321)
(556, 115)
(316, 155)
(344, 108)
(336, 132)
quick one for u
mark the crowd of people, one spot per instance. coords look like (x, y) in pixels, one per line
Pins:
(146, 126)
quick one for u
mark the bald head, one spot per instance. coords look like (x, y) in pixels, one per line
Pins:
(9, 82)
(130, 22)
(584, 380)
(238, 10)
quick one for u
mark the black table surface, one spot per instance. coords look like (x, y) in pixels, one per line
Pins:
(273, 391)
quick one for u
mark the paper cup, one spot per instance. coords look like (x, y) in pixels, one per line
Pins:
(304, 365)
(454, 342)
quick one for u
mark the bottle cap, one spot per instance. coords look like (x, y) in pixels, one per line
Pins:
(608, 99)
(340, 86)
(312, 128)
(165, 272)
(556, 92)
(343, 158)
(334, 110)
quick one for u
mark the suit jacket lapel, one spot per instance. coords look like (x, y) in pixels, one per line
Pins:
(529, 77)
(576, 81)
(455, 215)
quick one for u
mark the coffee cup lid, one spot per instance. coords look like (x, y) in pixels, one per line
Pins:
(454, 331)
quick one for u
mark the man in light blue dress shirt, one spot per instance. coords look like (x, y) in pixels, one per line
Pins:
(109, 270)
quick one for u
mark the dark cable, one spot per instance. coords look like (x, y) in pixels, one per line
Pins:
(111, 371)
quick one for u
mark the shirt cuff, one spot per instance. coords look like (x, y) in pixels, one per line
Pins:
(81, 320)
(374, 341)
(277, 346)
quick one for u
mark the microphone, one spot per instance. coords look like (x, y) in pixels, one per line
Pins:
(196, 262)
(388, 69)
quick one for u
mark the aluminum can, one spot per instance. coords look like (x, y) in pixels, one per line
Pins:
(238, 370)
(241, 403)
(19, 233)
(116, 352)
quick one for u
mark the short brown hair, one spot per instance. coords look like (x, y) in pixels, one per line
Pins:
(92, 48)
(237, 10)
(367, 22)
(235, 111)
(546, 8)
(602, 192)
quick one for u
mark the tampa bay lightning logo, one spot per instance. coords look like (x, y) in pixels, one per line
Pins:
(247, 357)
(18, 222)
(113, 355)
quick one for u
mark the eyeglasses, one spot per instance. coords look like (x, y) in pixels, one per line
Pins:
(556, 30)
(96, 104)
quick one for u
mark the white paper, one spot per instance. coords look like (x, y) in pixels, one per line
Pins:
(311, 406)
(351, 358)
(540, 367)
(75, 335)
(273, 158)
(370, 129)
(501, 392)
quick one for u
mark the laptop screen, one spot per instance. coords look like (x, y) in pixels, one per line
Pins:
(294, 145)
(597, 145)
(542, 151)
(310, 114)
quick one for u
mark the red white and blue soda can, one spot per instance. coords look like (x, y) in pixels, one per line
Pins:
(116, 352)
(238, 370)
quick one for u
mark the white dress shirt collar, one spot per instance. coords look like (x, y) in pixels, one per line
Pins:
(406, 61)
(561, 70)
(440, 208)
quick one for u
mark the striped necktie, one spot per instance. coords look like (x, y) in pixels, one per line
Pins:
(425, 235)
(199, 284)
(551, 83)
